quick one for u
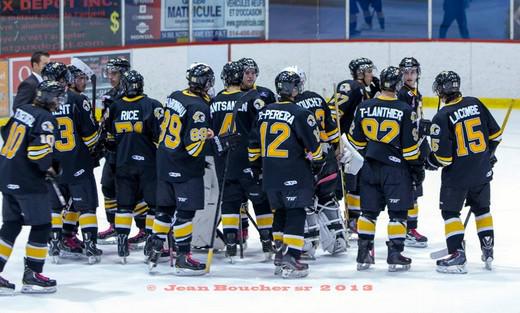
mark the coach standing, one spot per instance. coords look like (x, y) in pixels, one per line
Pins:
(27, 89)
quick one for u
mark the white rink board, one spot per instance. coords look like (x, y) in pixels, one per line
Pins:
(111, 287)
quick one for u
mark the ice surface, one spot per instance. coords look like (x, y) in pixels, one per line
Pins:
(111, 287)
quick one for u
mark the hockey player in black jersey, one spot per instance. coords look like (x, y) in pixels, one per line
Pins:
(76, 135)
(134, 124)
(285, 145)
(266, 96)
(241, 109)
(464, 137)
(410, 94)
(115, 68)
(324, 221)
(180, 167)
(382, 130)
(26, 158)
(349, 94)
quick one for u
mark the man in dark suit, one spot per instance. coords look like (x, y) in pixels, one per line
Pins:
(27, 89)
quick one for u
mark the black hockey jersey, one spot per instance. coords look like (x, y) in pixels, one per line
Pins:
(464, 134)
(77, 133)
(27, 151)
(221, 112)
(135, 124)
(285, 137)
(412, 96)
(350, 93)
(383, 130)
(315, 103)
(180, 155)
(265, 94)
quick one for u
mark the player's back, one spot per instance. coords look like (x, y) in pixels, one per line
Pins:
(462, 132)
(283, 145)
(383, 127)
(315, 103)
(28, 140)
(183, 135)
(77, 132)
(135, 125)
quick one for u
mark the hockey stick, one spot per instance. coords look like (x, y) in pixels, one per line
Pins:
(444, 252)
(241, 241)
(336, 107)
(57, 190)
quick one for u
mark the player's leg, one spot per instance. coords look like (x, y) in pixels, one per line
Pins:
(189, 199)
(479, 201)
(127, 184)
(11, 227)
(85, 199)
(37, 214)
(141, 215)
(452, 200)
(108, 187)
(231, 202)
(263, 213)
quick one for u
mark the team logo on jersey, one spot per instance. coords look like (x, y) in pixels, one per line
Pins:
(86, 105)
(435, 130)
(199, 117)
(47, 127)
(158, 113)
(344, 88)
(311, 121)
(259, 104)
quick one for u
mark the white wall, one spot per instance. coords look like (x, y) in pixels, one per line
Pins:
(490, 70)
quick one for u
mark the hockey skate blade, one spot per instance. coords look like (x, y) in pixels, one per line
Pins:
(93, 259)
(439, 254)
(186, 272)
(123, 260)
(398, 268)
(289, 273)
(6, 292)
(70, 255)
(363, 266)
(415, 244)
(231, 260)
(55, 259)
(277, 270)
(488, 264)
(456, 269)
(37, 289)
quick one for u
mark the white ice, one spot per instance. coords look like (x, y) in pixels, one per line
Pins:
(112, 287)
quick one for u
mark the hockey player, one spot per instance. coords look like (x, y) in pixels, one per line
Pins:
(76, 135)
(251, 73)
(134, 122)
(285, 143)
(115, 68)
(382, 130)
(180, 167)
(25, 161)
(410, 94)
(235, 111)
(324, 221)
(350, 93)
(464, 137)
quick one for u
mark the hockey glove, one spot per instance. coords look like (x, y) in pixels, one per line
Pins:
(226, 142)
(492, 161)
(53, 172)
(418, 174)
(424, 127)
(430, 163)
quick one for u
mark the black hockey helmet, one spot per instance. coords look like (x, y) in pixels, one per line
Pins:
(360, 66)
(447, 83)
(248, 63)
(200, 77)
(76, 72)
(132, 83)
(390, 78)
(410, 63)
(120, 65)
(232, 74)
(50, 94)
(57, 71)
(286, 81)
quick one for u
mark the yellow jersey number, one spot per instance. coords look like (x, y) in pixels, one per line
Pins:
(273, 149)
(14, 140)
